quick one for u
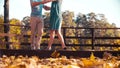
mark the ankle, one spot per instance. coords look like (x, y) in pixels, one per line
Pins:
(49, 48)
(64, 47)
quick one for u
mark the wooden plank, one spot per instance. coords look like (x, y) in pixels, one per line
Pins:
(46, 53)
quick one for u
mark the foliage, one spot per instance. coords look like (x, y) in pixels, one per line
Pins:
(1, 22)
(25, 30)
(17, 31)
(90, 20)
(1, 31)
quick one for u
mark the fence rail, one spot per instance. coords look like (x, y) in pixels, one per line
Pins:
(93, 38)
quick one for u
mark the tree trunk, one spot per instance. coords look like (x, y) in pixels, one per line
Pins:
(6, 21)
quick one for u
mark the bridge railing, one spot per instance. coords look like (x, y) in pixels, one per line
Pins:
(92, 37)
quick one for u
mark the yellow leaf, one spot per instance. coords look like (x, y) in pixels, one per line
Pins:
(73, 49)
(92, 57)
(55, 54)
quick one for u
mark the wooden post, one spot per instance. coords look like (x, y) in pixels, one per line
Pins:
(93, 38)
(6, 21)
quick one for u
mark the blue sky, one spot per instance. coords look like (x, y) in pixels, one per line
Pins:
(111, 8)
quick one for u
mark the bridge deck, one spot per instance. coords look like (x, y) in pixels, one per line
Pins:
(46, 54)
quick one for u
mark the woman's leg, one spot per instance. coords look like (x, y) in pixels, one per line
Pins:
(52, 35)
(61, 39)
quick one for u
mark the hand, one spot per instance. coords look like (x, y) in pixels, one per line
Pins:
(50, 0)
(54, 0)
(46, 7)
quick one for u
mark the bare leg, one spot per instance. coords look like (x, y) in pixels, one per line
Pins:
(33, 32)
(52, 35)
(40, 26)
(61, 38)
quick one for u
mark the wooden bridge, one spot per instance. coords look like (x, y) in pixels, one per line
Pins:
(44, 53)
(68, 53)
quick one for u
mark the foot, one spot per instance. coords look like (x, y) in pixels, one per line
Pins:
(38, 47)
(64, 48)
(48, 48)
(33, 47)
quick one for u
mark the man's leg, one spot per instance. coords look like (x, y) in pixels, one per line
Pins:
(33, 31)
(40, 26)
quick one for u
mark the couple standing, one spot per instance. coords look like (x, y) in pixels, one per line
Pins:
(37, 23)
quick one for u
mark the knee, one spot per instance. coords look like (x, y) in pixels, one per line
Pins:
(58, 32)
(40, 33)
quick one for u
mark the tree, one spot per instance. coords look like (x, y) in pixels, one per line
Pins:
(68, 19)
(1, 22)
(2, 31)
(6, 20)
(16, 30)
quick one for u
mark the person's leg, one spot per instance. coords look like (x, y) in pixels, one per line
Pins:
(52, 35)
(40, 26)
(61, 38)
(33, 31)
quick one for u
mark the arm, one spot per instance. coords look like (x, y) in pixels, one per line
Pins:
(38, 3)
(46, 7)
